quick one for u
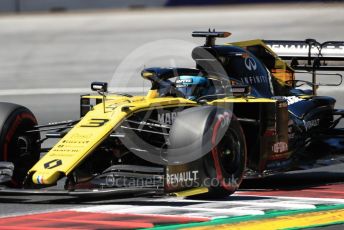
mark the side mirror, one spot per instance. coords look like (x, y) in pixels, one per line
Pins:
(100, 87)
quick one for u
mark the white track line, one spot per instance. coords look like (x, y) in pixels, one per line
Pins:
(168, 210)
(213, 209)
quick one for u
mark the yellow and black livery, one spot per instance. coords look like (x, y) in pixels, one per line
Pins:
(249, 119)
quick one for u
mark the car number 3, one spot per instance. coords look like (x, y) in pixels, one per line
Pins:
(95, 122)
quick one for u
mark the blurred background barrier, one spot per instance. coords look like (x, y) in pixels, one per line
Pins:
(64, 5)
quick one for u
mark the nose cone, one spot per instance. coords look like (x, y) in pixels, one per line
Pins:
(47, 177)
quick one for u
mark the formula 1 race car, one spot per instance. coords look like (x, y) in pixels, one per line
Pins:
(239, 114)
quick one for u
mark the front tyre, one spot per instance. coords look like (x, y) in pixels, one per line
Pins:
(16, 145)
(226, 162)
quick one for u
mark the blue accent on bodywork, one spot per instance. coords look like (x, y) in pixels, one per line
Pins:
(192, 80)
(192, 86)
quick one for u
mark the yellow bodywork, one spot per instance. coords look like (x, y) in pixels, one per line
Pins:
(96, 126)
(225, 101)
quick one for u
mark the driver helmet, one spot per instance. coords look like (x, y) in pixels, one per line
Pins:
(192, 87)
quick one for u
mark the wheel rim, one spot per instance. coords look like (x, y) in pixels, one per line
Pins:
(229, 150)
(25, 152)
(23, 145)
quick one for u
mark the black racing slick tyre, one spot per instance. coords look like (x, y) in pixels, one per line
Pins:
(227, 160)
(16, 145)
(212, 135)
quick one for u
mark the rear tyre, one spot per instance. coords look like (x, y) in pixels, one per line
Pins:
(16, 145)
(227, 160)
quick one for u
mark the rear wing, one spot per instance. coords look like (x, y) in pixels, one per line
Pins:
(310, 54)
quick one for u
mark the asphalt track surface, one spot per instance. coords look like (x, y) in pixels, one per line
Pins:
(47, 60)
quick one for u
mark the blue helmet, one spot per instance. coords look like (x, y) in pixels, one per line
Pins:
(193, 87)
